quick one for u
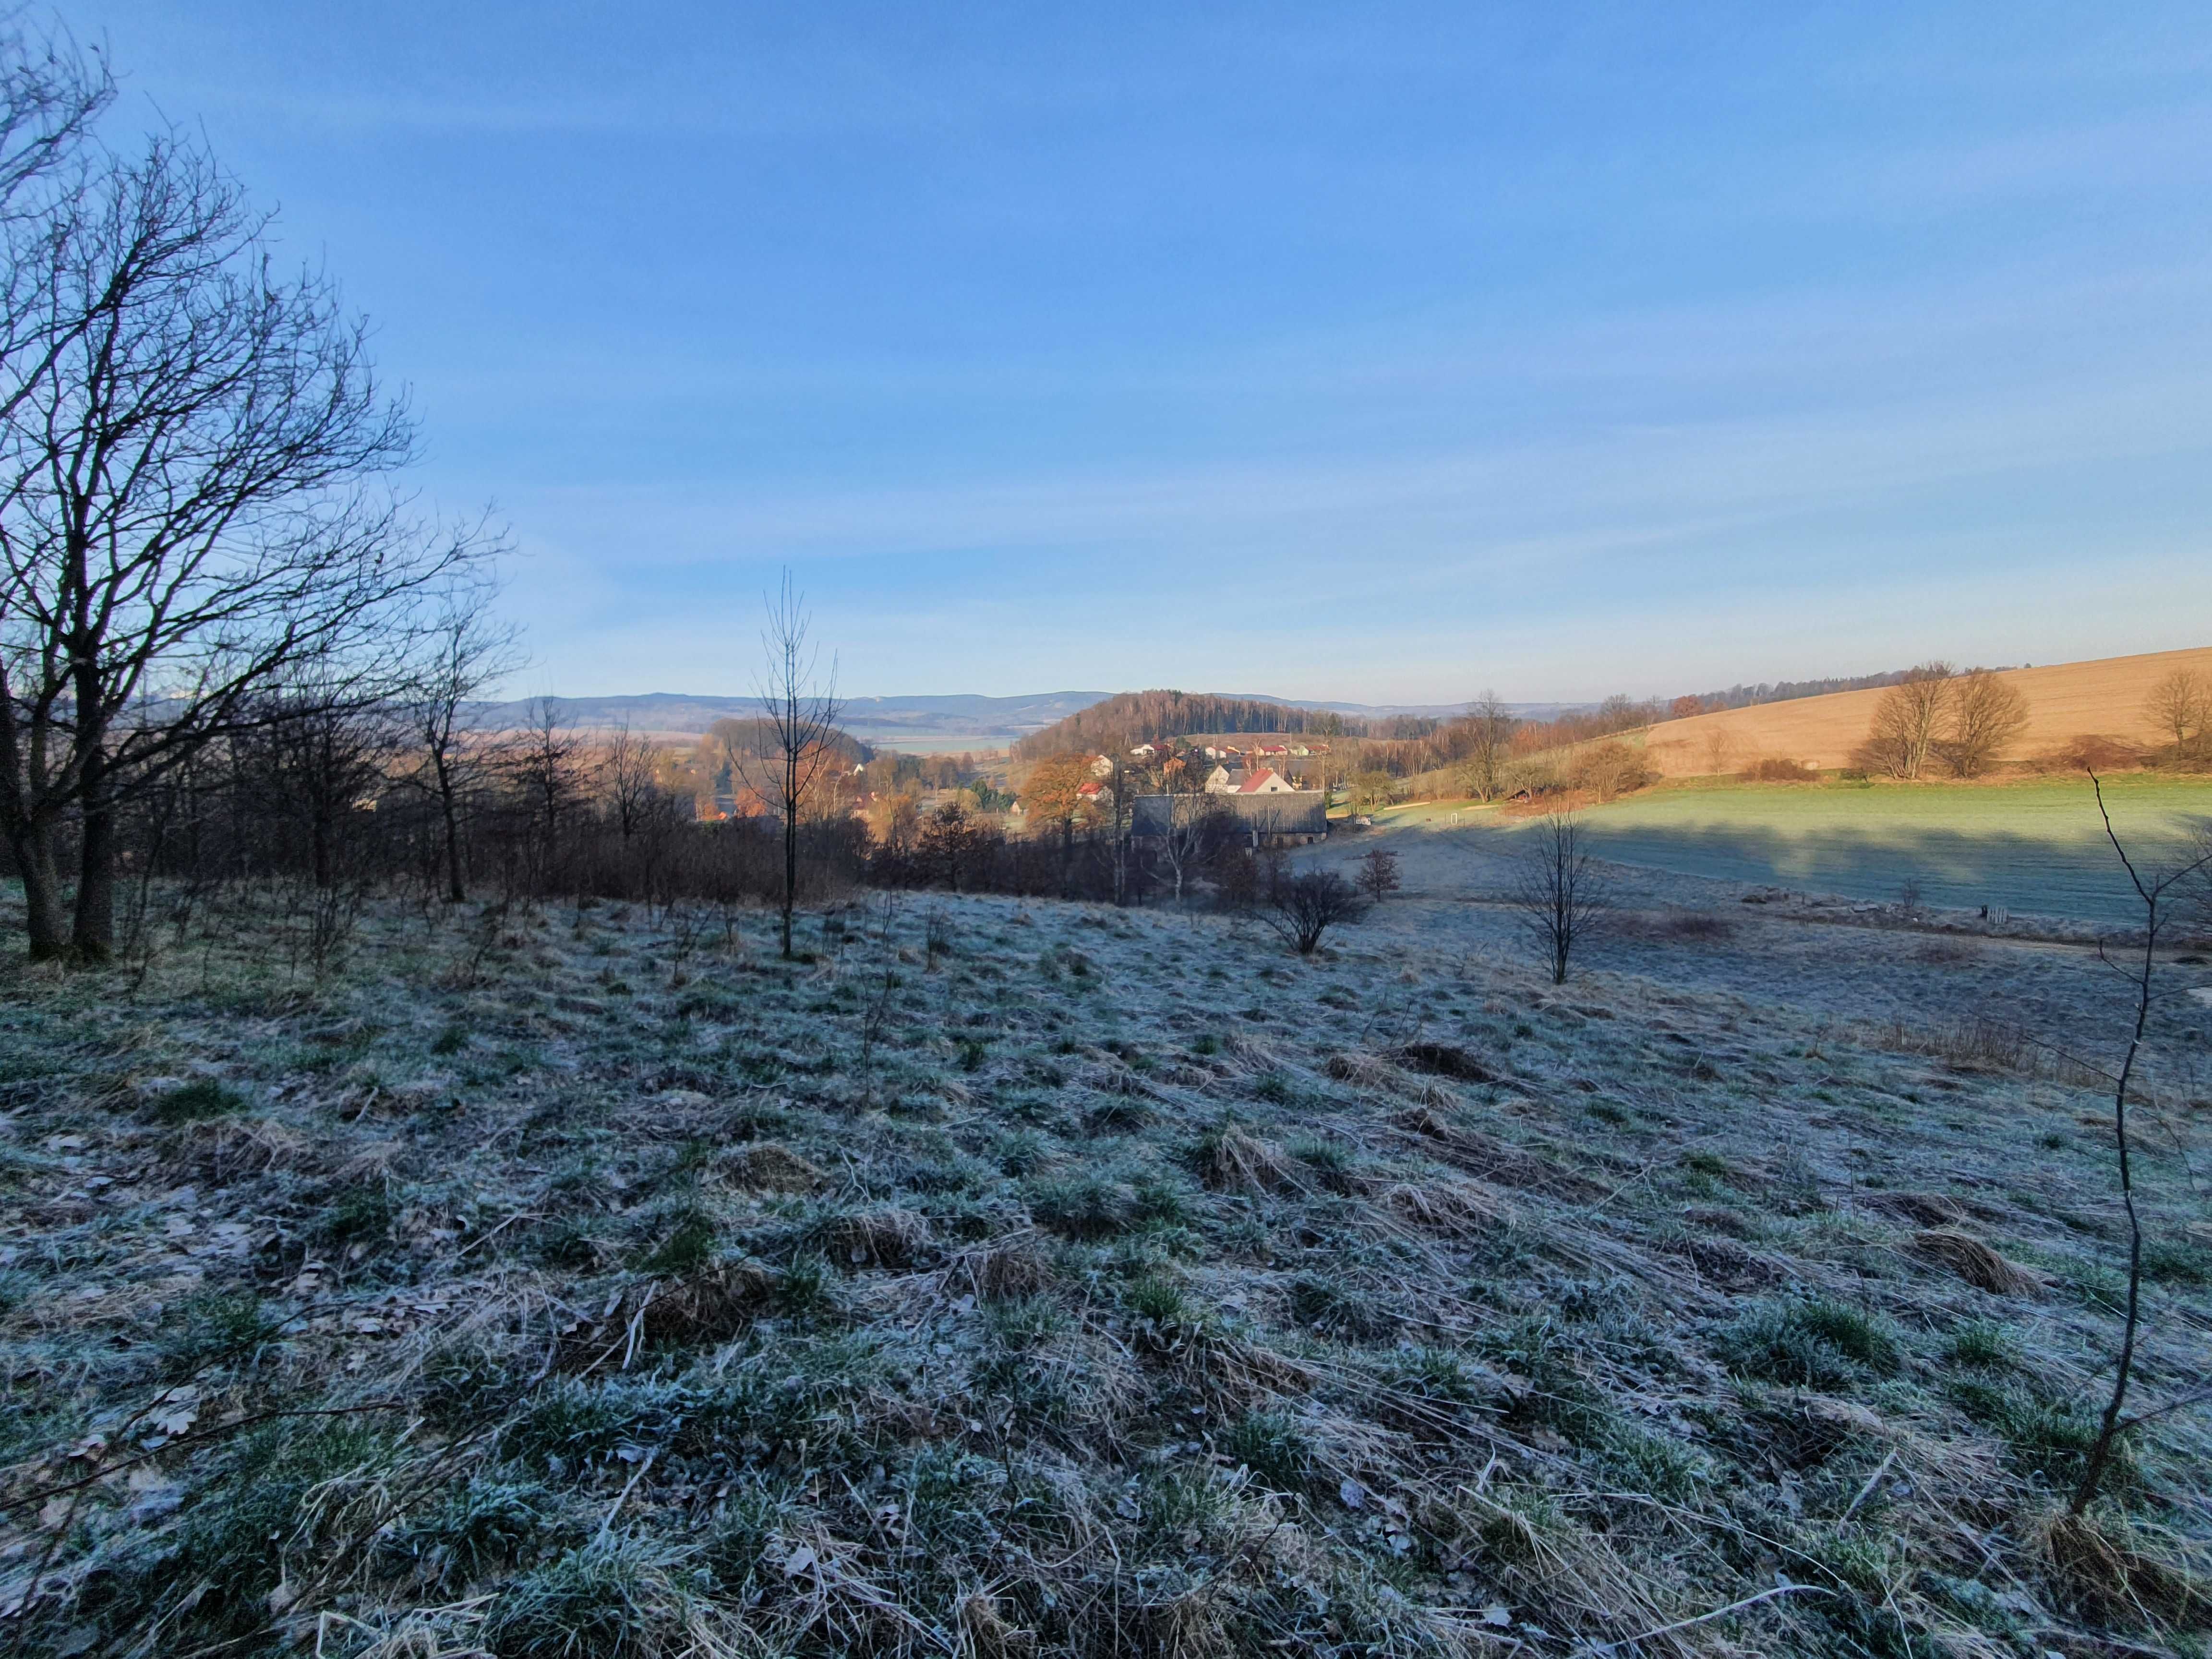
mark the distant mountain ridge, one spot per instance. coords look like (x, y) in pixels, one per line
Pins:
(994, 721)
(869, 719)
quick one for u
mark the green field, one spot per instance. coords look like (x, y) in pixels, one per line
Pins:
(2036, 847)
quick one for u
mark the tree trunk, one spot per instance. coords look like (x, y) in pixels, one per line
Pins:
(94, 939)
(33, 847)
(325, 875)
(455, 892)
(790, 866)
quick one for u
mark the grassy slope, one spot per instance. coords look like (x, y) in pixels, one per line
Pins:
(2065, 700)
(2034, 846)
(1109, 1284)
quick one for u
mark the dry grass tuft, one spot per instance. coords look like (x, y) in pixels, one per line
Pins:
(887, 1237)
(1924, 1209)
(1375, 1074)
(986, 1634)
(768, 1168)
(1455, 1209)
(1004, 1270)
(1445, 1060)
(1231, 1160)
(1978, 1263)
(2100, 1566)
(1493, 1160)
(708, 1307)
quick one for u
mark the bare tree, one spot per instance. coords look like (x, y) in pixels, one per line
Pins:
(1560, 893)
(2180, 705)
(1490, 730)
(2153, 891)
(626, 778)
(802, 709)
(324, 758)
(1909, 718)
(463, 649)
(1987, 712)
(1304, 908)
(1193, 818)
(541, 765)
(1378, 873)
(192, 506)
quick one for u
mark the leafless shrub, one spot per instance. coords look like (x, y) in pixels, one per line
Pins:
(2157, 890)
(1672, 926)
(2180, 707)
(1981, 1043)
(1304, 909)
(1379, 874)
(1908, 721)
(1987, 712)
(1559, 891)
(1780, 771)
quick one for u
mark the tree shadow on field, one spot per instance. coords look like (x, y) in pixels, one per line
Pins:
(1945, 867)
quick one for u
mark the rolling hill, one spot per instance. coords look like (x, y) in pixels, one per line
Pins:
(2065, 700)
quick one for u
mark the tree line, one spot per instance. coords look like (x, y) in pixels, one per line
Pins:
(1129, 718)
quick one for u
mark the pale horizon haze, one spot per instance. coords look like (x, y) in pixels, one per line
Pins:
(1379, 352)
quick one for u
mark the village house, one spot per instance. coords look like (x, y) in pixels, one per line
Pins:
(1242, 781)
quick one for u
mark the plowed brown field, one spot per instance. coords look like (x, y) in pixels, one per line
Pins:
(2065, 700)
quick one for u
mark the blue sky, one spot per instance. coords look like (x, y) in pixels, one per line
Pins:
(1383, 352)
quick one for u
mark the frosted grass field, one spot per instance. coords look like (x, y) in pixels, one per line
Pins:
(2037, 847)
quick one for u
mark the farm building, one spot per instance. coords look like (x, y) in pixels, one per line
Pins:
(1296, 815)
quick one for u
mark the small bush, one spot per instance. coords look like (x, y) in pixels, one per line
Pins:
(1780, 771)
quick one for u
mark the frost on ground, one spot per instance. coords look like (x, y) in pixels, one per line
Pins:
(1014, 1279)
